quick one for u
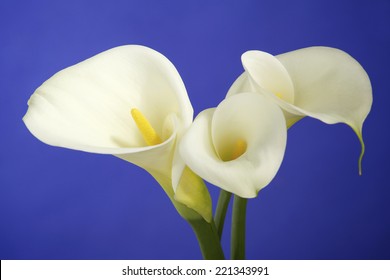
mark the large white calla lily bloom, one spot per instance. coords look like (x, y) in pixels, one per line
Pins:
(320, 82)
(129, 101)
(237, 146)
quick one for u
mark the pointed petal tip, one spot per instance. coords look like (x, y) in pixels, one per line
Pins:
(358, 133)
(361, 155)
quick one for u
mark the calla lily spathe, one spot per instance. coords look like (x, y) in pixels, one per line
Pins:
(237, 146)
(129, 101)
(320, 82)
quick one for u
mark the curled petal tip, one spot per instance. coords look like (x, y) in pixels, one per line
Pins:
(361, 154)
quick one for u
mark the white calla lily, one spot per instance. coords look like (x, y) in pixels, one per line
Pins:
(320, 82)
(237, 146)
(129, 101)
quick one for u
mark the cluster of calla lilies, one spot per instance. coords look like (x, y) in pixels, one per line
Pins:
(131, 102)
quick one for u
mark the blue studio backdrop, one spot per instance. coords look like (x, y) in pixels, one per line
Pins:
(63, 204)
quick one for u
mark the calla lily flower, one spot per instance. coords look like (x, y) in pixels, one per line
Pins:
(237, 146)
(130, 102)
(319, 82)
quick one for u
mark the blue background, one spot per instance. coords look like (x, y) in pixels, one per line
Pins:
(63, 204)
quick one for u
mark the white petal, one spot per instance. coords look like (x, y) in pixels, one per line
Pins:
(268, 73)
(178, 166)
(242, 84)
(246, 116)
(87, 106)
(330, 86)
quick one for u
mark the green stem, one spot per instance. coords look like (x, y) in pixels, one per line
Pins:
(238, 228)
(220, 212)
(205, 232)
(208, 239)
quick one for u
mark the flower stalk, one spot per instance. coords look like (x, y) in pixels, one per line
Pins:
(238, 228)
(208, 239)
(220, 212)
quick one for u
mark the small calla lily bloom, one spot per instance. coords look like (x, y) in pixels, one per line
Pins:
(129, 101)
(320, 82)
(237, 146)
